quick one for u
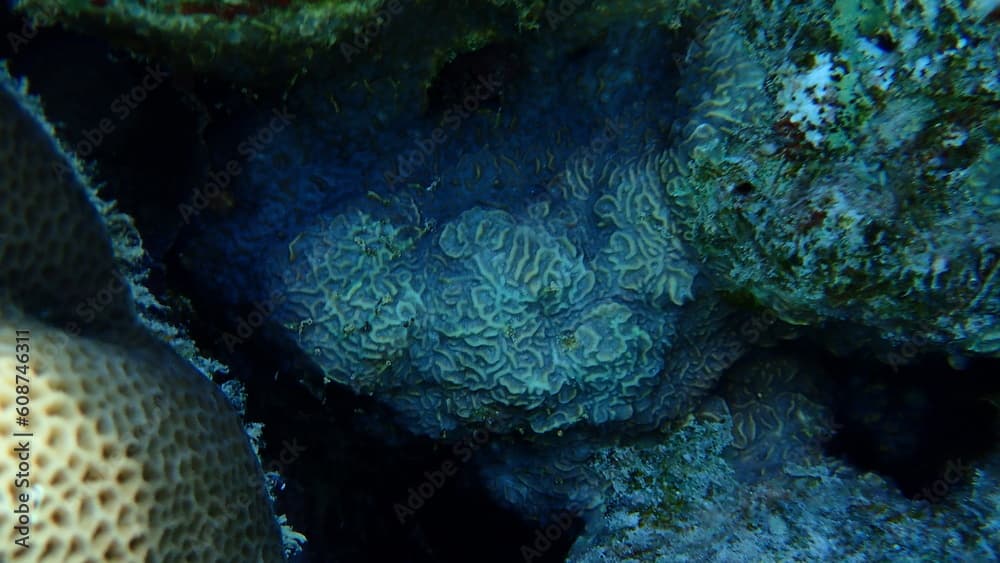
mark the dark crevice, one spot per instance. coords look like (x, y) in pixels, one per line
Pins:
(476, 78)
(922, 425)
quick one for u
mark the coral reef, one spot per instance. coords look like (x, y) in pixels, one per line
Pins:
(530, 247)
(131, 453)
(507, 326)
(839, 168)
(576, 264)
(681, 500)
(502, 320)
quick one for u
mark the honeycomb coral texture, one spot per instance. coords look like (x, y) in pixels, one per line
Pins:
(130, 462)
(134, 455)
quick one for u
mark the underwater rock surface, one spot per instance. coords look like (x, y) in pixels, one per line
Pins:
(845, 169)
(681, 501)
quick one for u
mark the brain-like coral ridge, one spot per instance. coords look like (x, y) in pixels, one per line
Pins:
(499, 319)
(644, 254)
(350, 300)
(518, 323)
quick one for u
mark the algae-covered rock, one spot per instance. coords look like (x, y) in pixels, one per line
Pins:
(252, 39)
(235, 36)
(842, 168)
(680, 500)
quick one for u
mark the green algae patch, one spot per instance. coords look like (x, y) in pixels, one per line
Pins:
(241, 37)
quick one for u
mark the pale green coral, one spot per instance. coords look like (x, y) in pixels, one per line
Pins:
(517, 324)
(351, 302)
(502, 320)
(645, 254)
(544, 270)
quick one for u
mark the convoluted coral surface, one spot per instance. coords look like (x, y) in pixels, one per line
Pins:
(501, 319)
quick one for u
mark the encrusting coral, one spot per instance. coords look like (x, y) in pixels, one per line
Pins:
(539, 321)
(351, 302)
(520, 325)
